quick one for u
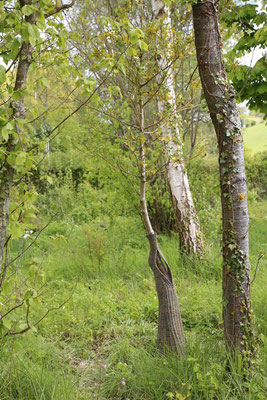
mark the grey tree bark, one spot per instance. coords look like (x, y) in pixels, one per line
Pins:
(187, 222)
(220, 98)
(170, 329)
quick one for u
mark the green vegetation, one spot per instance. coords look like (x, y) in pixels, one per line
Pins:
(105, 333)
(255, 138)
(80, 91)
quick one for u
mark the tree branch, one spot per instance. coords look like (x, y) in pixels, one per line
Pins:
(57, 9)
(12, 309)
(34, 240)
(260, 256)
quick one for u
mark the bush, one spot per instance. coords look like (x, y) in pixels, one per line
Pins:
(256, 167)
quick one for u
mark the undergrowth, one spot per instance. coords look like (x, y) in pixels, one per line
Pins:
(101, 344)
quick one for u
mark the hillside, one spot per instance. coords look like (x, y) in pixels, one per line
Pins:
(255, 138)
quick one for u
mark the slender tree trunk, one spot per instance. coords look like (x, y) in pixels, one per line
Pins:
(17, 111)
(220, 98)
(170, 329)
(185, 214)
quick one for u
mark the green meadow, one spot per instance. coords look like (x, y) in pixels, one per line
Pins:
(101, 342)
(255, 138)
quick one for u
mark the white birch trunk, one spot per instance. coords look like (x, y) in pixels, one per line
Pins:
(184, 210)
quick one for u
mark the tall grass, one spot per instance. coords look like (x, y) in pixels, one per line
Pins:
(111, 320)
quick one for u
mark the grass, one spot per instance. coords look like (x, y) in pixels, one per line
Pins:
(255, 138)
(111, 320)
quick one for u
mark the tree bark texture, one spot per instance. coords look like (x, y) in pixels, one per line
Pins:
(185, 214)
(170, 328)
(17, 111)
(220, 98)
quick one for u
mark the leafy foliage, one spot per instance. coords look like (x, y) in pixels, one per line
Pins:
(93, 253)
(250, 82)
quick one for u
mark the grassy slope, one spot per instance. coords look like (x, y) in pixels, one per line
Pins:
(111, 320)
(255, 138)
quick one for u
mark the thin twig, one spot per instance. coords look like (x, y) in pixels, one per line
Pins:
(37, 322)
(260, 256)
(36, 237)
(56, 10)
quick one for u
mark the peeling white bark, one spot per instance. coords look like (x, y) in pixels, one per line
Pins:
(184, 210)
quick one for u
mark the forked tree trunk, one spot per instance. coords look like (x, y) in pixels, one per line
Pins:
(170, 329)
(191, 240)
(220, 98)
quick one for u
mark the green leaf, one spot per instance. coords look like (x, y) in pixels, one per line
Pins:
(7, 324)
(123, 70)
(143, 46)
(95, 98)
(45, 82)
(28, 294)
(49, 179)
(11, 159)
(262, 88)
(134, 35)
(5, 134)
(33, 33)
(239, 75)
(17, 95)
(28, 10)
(2, 74)
(6, 130)
(20, 159)
(17, 231)
(231, 246)
(23, 326)
(170, 395)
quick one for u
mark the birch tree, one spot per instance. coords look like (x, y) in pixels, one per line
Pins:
(128, 137)
(162, 102)
(220, 98)
(185, 214)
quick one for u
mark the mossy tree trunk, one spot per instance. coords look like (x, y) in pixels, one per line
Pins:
(220, 98)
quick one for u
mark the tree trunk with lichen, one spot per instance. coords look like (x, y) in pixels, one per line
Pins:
(190, 236)
(220, 98)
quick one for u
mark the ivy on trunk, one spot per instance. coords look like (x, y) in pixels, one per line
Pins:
(220, 98)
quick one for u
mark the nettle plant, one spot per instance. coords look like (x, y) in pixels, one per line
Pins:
(32, 40)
